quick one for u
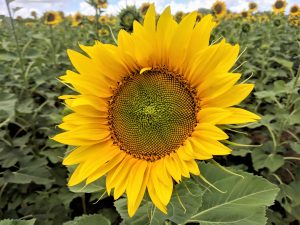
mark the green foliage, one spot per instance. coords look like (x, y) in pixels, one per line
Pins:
(243, 200)
(89, 220)
(33, 181)
(17, 222)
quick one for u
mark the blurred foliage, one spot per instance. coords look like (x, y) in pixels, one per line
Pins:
(33, 181)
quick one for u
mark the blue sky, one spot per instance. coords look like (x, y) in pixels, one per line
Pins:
(114, 6)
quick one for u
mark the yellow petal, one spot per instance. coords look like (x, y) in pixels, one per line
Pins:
(135, 182)
(217, 85)
(154, 198)
(163, 189)
(201, 35)
(212, 115)
(172, 168)
(101, 151)
(106, 167)
(193, 167)
(203, 130)
(239, 116)
(233, 96)
(143, 188)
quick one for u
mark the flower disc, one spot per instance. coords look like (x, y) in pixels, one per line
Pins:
(152, 114)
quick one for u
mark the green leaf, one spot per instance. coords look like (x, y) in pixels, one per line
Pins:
(17, 222)
(243, 203)
(7, 105)
(97, 186)
(271, 161)
(89, 220)
(286, 63)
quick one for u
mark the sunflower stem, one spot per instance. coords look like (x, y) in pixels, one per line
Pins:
(83, 204)
(53, 46)
(16, 40)
(97, 22)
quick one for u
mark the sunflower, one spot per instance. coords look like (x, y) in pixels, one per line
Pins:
(252, 6)
(100, 3)
(199, 17)
(178, 16)
(279, 6)
(144, 8)
(103, 19)
(103, 32)
(295, 10)
(127, 16)
(33, 14)
(245, 14)
(76, 19)
(219, 8)
(148, 108)
(52, 18)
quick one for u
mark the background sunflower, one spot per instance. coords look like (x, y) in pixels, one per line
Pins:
(52, 18)
(219, 8)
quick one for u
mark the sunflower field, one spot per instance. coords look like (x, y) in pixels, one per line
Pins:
(131, 118)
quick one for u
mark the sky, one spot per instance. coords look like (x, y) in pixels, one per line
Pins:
(115, 6)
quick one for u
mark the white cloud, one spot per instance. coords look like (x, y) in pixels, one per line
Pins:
(71, 6)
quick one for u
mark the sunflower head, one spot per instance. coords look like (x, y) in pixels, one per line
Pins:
(277, 22)
(279, 6)
(295, 10)
(178, 16)
(219, 8)
(245, 14)
(127, 16)
(199, 17)
(144, 8)
(151, 106)
(294, 20)
(103, 19)
(252, 6)
(33, 14)
(52, 18)
(100, 4)
(76, 19)
(246, 27)
(103, 32)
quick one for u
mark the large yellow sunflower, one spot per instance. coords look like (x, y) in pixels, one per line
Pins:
(52, 18)
(219, 8)
(279, 6)
(148, 108)
(295, 10)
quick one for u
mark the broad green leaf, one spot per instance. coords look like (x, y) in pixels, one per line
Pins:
(271, 161)
(290, 198)
(97, 186)
(17, 222)
(89, 220)
(243, 202)
(7, 106)
(286, 63)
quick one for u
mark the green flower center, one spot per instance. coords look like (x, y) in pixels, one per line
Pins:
(151, 114)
